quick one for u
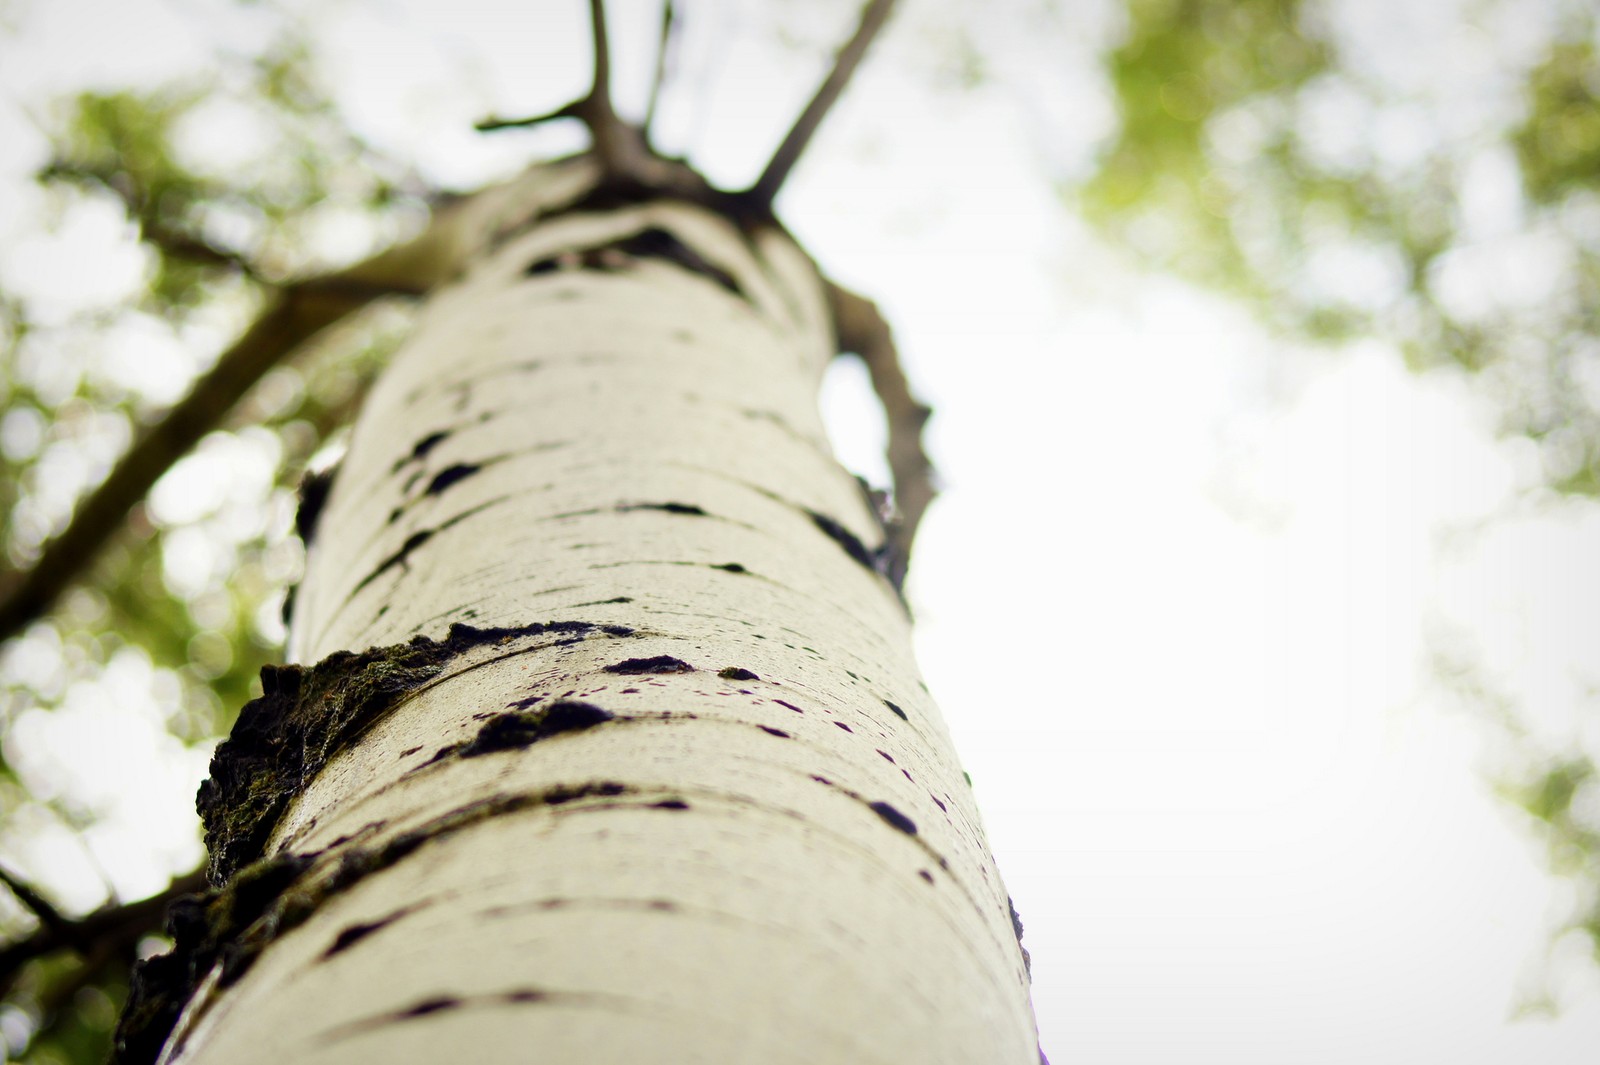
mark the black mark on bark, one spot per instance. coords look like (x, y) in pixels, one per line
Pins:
(658, 664)
(355, 933)
(427, 1006)
(651, 243)
(848, 540)
(510, 732)
(778, 732)
(417, 539)
(898, 712)
(688, 509)
(736, 673)
(314, 488)
(420, 451)
(450, 475)
(894, 817)
(559, 795)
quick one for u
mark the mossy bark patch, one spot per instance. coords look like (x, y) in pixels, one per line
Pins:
(205, 929)
(305, 715)
(230, 926)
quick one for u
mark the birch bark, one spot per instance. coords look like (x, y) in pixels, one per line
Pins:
(643, 770)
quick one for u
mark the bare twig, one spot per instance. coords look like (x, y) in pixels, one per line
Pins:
(495, 122)
(664, 55)
(99, 934)
(620, 149)
(600, 89)
(862, 330)
(49, 916)
(788, 153)
(174, 242)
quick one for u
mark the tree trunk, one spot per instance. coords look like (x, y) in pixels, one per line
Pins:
(615, 750)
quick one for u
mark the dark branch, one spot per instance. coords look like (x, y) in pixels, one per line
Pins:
(765, 190)
(621, 150)
(664, 56)
(99, 934)
(861, 329)
(49, 916)
(600, 90)
(173, 241)
(494, 122)
(296, 313)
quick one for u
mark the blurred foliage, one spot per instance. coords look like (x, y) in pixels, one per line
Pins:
(1259, 150)
(1562, 795)
(1433, 184)
(188, 596)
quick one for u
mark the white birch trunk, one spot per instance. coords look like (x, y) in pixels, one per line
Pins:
(770, 856)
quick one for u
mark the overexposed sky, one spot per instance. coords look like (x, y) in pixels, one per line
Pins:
(1184, 595)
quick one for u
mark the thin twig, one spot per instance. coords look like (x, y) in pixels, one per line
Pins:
(49, 916)
(600, 89)
(765, 190)
(494, 122)
(596, 108)
(664, 56)
(862, 330)
(174, 242)
(619, 148)
(110, 928)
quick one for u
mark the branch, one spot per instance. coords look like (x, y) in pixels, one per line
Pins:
(861, 329)
(600, 90)
(622, 151)
(296, 313)
(765, 190)
(664, 55)
(174, 242)
(97, 934)
(495, 122)
(49, 917)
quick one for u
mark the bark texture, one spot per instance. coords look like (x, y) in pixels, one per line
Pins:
(616, 751)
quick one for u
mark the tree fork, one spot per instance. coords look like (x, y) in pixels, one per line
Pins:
(738, 834)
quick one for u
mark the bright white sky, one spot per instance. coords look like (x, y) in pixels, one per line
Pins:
(1183, 596)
